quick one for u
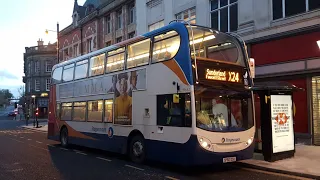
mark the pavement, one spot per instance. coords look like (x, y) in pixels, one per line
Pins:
(42, 126)
(28, 154)
(305, 162)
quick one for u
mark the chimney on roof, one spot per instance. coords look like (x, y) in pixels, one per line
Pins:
(40, 42)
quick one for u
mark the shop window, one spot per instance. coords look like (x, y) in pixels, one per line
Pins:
(174, 110)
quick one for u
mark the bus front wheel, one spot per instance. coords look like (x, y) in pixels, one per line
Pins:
(137, 149)
(64, 137)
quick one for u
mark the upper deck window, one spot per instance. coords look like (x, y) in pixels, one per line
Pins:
(165, 46)
(56, 75)
(81, 69)
(115, 60)
(68, 72)
(214, 46)
(97, 65)
(138, 53)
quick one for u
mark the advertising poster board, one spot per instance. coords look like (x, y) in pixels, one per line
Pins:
(282, 123)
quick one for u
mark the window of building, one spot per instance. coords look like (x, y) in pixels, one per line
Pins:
(29, 68)
(174, 110)
(75, 50)
(285, 8)
(29, 86)
(156, 25)
(48, 83)
(95, 111)
(89, 45)
(138, 53)
(224, 15)
(188, 15)
(119, 19)
(66, 54)
(48, 66)
(119, 39)
(108, 43)
(165, 46)
(81, 69)
(131, 35)
(79, 111)
(115, 60)
(108, 111)
(36, 66)
(37, 85)
(56, 75)
(66, 111)
(108, 24)
(97, 65)
(68, 72)
(132, 13)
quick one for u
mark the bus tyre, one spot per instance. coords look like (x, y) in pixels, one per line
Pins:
(64, 137)
(137, 149)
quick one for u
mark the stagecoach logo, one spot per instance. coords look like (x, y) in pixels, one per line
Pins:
(231, 140)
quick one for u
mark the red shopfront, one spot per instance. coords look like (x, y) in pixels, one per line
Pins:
(294, 59)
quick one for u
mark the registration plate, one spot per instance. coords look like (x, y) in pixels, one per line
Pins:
(229, 159)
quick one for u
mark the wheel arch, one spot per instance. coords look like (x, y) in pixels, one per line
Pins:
(132, 134)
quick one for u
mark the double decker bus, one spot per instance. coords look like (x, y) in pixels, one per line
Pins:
(179, 94)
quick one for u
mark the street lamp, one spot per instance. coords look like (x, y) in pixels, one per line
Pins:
(47, 32)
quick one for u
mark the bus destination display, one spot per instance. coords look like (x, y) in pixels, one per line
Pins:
(223, 75)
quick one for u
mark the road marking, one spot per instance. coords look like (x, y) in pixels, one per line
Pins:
(15, 170)
(39, 142)
(50, 145)
(21, 137)
(277, 174)
(15, 135)
(29, 139)
(64, 149)
(81, 153)
(169, 177)
(38, 147)
(103, 159)
(134, 167)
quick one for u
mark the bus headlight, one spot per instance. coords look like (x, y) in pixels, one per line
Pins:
(205, 143)
(249, 142)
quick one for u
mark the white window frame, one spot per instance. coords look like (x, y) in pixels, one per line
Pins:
(89, 45)
(284, 8)
(189, 14)
(156, 25)
(48, 83)
(132, 9)
(37, 66)
(108, 24)
(219, 10)
(48, 66)
(37, 82)
(119, 19)
(75, 50)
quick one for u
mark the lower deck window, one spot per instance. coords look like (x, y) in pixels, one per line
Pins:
(79, 111)
(108, 110)
(95, 111)
(66, 111)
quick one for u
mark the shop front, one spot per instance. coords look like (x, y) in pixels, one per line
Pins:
(294, 59)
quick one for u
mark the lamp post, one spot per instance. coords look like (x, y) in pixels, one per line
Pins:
(33, 107)
(57, 31)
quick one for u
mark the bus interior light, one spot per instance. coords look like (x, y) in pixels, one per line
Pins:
(202, 39)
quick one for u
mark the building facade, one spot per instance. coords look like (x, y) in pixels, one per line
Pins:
(97, 24)
(38, 62)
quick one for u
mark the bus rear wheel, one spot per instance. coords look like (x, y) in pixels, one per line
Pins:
(137, 150)
(64, 137)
